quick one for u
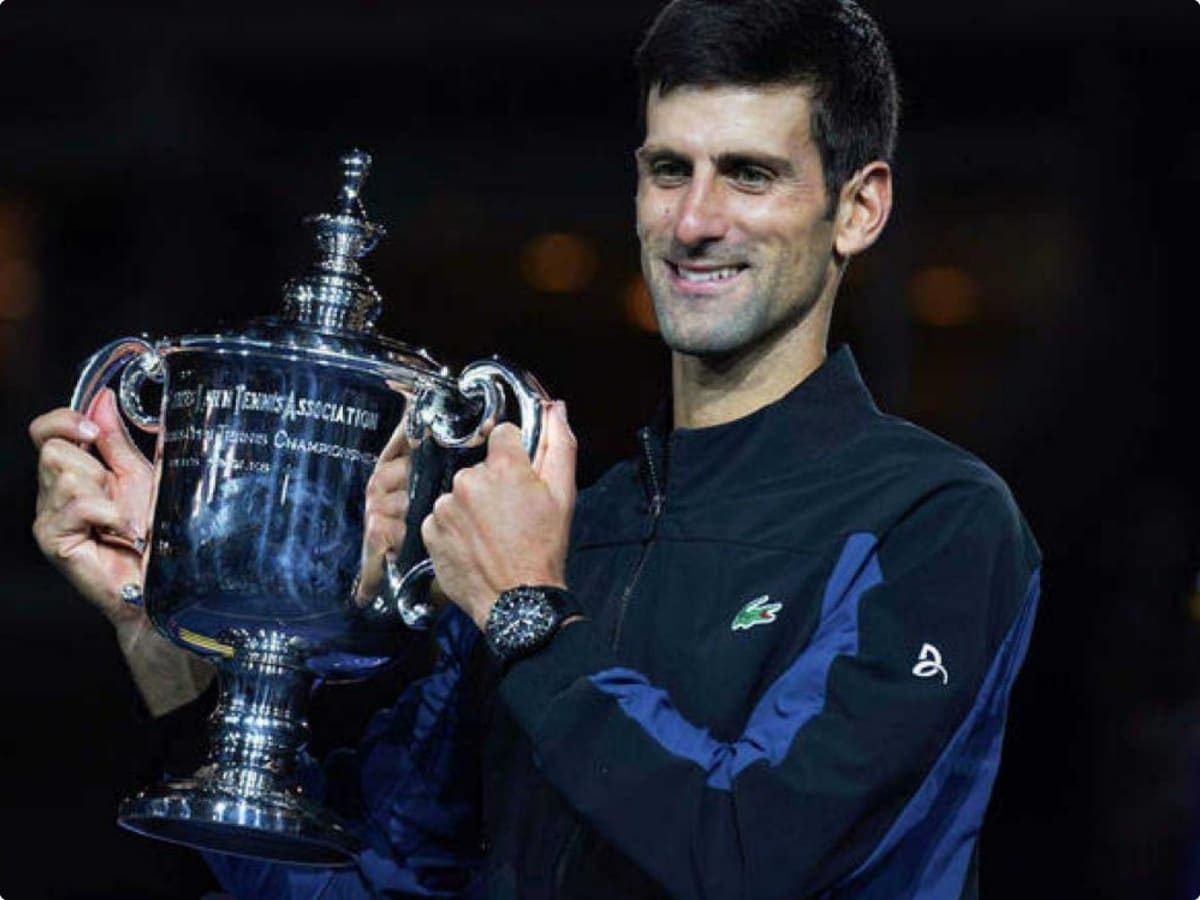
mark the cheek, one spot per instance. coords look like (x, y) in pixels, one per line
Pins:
(644, 225)
(655, 214)
(804, 264)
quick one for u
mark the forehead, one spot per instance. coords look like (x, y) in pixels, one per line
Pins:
(727, 118)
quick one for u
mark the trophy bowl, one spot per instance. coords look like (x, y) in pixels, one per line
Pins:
(266, 438)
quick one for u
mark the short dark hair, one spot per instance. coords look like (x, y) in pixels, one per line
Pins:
(831, 46)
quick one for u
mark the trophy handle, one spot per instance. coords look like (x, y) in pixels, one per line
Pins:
(136, 360)
(104, 365)
(490, 383)
(498, 387)
(487, 379)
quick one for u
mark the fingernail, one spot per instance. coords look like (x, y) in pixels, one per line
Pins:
(89, 429)
(561, 408)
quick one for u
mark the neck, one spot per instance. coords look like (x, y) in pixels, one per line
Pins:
(711, 392)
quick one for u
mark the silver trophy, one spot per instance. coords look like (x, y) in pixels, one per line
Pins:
(266, 438)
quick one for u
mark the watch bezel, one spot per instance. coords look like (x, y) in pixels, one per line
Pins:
(524, 618)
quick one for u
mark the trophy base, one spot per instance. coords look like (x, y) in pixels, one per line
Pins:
(195, 814)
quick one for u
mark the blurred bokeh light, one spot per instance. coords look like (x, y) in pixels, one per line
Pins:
(944, 296)
(559, 263)
(639, 308)
(18, 276)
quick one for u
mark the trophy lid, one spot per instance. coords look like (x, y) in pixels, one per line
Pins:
(334, 293)
(329, 313)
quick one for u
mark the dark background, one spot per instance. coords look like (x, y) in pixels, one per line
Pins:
(1030, 301)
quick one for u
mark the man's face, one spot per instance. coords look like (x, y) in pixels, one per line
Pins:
(731, 203)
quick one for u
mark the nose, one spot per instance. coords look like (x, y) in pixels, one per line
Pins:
(702, 216)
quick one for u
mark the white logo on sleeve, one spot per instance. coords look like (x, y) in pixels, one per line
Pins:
(930, 663)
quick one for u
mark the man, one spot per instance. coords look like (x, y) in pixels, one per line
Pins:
(773, 657)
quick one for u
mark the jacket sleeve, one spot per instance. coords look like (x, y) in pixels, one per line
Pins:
(872, 754)
(409, 791)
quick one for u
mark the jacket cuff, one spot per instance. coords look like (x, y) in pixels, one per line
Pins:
(531, 684)
(179, 739)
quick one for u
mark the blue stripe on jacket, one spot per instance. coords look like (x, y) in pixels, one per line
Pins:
(951, 800)
(796, 696)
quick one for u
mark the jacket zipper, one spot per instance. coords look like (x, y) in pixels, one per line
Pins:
(657, 501)
(656, 507)
(560, 870)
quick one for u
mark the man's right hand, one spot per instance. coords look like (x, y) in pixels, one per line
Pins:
(91, 513)
(92, 518)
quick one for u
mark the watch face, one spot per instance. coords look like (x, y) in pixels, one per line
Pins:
(522, 619)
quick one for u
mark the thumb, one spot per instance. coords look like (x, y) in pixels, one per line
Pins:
(116, 447)
(558, 460)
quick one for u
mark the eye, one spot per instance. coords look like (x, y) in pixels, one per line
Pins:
(753, 178)
(668, 172)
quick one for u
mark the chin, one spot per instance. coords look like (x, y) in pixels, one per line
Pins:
(713, 332)
(702, 343)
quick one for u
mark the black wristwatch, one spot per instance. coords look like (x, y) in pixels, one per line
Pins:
(526, 617)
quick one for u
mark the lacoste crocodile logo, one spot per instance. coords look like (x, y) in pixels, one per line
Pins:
(759, 611)
(929, 663)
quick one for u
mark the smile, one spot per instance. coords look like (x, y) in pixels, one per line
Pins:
(706, 275)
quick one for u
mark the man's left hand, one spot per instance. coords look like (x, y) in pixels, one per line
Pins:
(506, 521)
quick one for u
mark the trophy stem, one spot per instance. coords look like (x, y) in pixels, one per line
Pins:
(248, 800)
(259, 724)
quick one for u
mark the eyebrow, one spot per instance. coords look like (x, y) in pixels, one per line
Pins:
(780, 165)
(725, 162)
(648, 153)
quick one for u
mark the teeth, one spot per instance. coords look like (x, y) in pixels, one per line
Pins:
(708, 275)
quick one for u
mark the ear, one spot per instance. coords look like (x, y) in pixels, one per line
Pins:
(863, 209)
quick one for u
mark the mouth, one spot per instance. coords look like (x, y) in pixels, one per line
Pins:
(692, 275)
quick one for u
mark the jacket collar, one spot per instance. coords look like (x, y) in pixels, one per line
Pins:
(817, 415)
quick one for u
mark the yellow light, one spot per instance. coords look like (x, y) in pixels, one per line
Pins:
(944, 296)
(14, 232)
(639, 308)
(558, 263)
(18, 278)
(18, 288)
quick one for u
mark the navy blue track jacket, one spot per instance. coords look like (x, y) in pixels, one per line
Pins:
(803, 629)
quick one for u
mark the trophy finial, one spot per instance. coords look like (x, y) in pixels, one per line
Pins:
(335, 293)
(356, 166)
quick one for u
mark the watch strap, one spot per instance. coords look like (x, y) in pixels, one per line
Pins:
(526, 617)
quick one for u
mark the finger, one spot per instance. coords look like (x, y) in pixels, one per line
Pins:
(58, 456)
(398, 444)
(390, 507)
(539, 455)
(114, 443)
(383, 529)
(65, 487)
(430, 533)
(382, 534)
(505, 444)
(86, 513)
(389, 477)
(443, 512)
(370, 578)
(63, 423)
(558, 464)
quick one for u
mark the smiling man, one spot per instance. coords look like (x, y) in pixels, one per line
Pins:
(782, 665)
(743, 242)
(771, 656)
